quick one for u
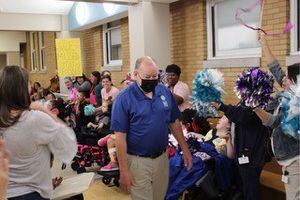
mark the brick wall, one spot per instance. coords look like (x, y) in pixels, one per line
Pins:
(92, 50)
(92, 43)
(189, 39)
(42, 76)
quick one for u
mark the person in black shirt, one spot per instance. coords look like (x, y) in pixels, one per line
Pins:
(250, 137)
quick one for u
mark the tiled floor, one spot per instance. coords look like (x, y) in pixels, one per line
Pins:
(97, 191)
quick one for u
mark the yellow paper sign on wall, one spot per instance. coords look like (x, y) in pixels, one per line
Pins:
(68, 55)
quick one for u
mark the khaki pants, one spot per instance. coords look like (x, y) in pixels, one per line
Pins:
(150, 177)
(292, 188)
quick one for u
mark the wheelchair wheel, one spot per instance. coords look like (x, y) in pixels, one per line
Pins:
(106, 180)
(81, 170)
(75, 165)
(117, 182)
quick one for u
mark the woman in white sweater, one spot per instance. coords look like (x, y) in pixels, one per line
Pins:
(31, 133)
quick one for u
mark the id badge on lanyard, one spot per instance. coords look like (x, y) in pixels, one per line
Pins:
(243, 160)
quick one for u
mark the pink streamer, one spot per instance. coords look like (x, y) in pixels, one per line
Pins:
(239, 11)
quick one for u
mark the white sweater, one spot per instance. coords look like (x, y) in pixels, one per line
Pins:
(30, 142)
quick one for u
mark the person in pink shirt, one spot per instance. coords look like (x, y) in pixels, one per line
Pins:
(108, 91)
(72, 91)
(179, 89)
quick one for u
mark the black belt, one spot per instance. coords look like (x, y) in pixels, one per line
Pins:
(152, 155)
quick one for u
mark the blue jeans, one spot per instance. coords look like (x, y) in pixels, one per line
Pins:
(30, 196)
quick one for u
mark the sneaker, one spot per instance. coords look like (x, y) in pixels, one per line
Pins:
(110, 167)
(103, 141)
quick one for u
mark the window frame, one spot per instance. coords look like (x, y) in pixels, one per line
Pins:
(33, 51)
(106, 47)
(212, 53)
(42, 51)
(294, 34)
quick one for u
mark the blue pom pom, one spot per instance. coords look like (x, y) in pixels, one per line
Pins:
(290, 114)
(208, 86)
(89, 110)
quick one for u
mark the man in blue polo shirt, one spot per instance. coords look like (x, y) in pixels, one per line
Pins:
(141, 116)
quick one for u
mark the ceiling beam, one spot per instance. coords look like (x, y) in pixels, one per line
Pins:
(123, 2)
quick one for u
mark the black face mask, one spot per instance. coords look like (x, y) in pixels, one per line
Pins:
(149, 85)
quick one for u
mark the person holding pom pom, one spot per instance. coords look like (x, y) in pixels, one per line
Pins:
(285, 122)
(249, 136)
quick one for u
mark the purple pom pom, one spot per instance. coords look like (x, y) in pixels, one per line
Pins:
(254, 87)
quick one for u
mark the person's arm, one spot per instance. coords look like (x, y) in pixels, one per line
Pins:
(177, 132)
(237, 114)
(273, 63)
(3, 170)
(115, 93)
(229, 147)
(182, 94)
(179, 100)
(120, 123)
(37, 106)
(59, 138)
(266, 49)
(122, 159)
(98, 96)
(263, 115)
(267, 119)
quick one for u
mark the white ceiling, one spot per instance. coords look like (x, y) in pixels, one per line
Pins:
(59, 7)
(36, 6)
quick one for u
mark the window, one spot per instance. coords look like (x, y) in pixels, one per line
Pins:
(227, 38)
(33, 39)
(295, 32)
(112, 45)
(42, 51)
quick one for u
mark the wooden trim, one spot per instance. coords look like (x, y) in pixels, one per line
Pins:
(272, 180)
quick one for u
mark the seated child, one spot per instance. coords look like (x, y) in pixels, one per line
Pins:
(108, 140)
(102, 118)
(192, 125)
(81, 119)
(220, 137)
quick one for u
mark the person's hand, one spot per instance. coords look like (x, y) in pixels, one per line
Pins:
(261, 38)
(56, 182)
(126, 181)
(104, 109)
(98, 109)
(216, 105)
(224, 134)
(89, 125)
(3, 170)
(187, 157)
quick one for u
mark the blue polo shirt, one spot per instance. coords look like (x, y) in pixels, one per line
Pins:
(144, 120)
